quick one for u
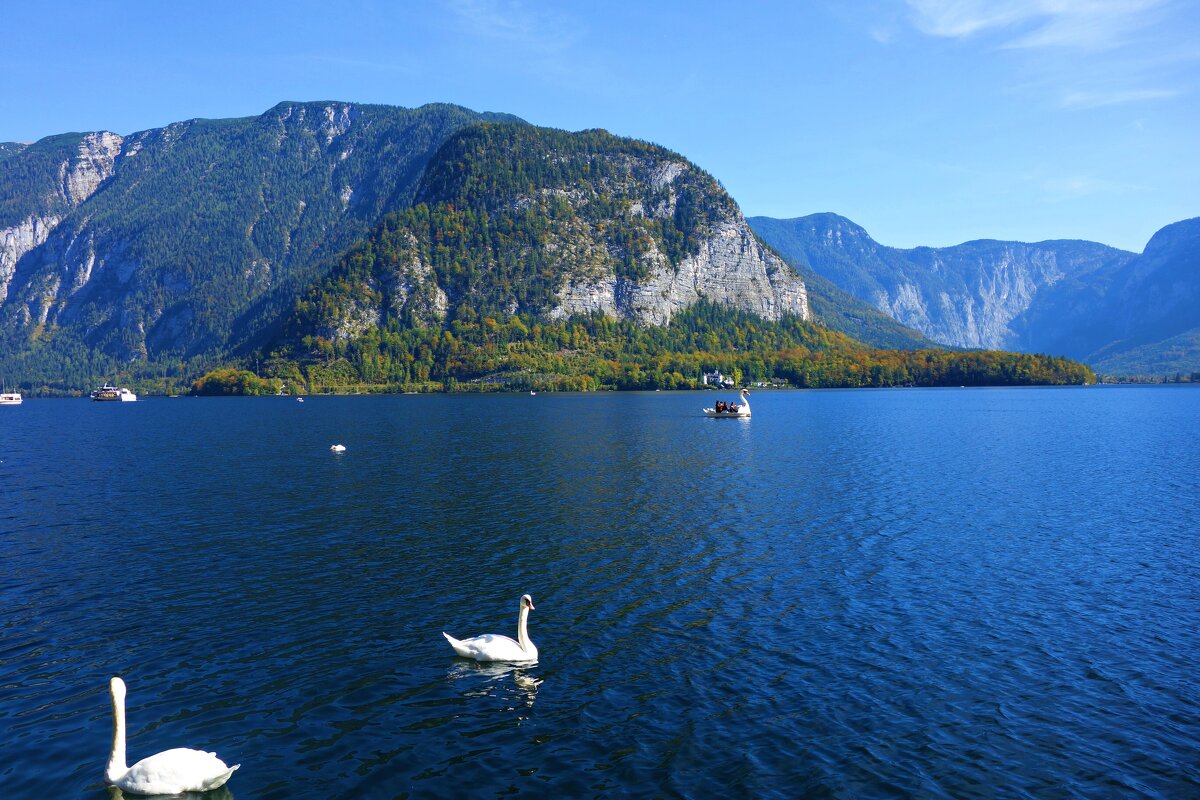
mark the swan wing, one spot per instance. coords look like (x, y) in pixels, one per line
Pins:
(490, 647)
(175, 771)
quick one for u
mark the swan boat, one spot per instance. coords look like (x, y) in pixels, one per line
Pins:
(738, 409)
(109, 393)
(10, 399)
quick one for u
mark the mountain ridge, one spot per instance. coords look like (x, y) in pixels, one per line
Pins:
(167, 252)
(1081, 299)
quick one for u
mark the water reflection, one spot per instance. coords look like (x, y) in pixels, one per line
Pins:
(115, 793)
(491, 680)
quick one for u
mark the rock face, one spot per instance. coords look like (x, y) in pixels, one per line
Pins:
(517, 219)
(93, 165)
(19, 239)
(732, 268)
(972, 295)
(981, 288)
(76, 177)
(1120, 312)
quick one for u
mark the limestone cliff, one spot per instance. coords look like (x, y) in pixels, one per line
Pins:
(978, 294)
(67, 180)
(513, 219)
(731, 268)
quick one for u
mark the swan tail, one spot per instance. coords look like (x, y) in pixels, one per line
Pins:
(458, 646)
(219, 781)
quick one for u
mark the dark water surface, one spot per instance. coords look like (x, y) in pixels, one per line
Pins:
(935, 593)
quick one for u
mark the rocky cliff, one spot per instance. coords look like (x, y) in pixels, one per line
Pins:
(513, 219)
(971, 295)
(1118, 311)
(61, 175)
(731, 268)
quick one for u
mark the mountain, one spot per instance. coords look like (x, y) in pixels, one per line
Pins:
(1113, 309)
(541, 258)
(1153, 304)
(354, 246)
(514, 219)
(190, 240)
(842, 311)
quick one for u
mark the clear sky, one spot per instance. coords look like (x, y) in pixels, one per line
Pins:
(925, 121)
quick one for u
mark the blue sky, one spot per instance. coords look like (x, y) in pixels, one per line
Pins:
(925, 121)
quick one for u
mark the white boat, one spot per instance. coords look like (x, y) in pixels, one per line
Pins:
(110, 394)
(732, 410)
(10, 399)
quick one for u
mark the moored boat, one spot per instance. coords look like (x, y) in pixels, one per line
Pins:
(110, 394)
(733, 410)
(10, 399)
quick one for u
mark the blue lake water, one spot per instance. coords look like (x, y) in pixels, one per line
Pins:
(935, 593)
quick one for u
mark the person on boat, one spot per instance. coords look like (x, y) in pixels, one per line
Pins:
(720, 409)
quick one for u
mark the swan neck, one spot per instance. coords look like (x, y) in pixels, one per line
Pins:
(523, 629)
(116, 762)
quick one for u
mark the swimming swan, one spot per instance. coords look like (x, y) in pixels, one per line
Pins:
(494, 647)
(169, 772)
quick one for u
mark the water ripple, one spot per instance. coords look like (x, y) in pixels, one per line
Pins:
(853, 594)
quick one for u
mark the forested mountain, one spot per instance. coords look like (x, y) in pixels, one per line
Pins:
(1121, 312)
(347, 246)
(190, 240)
(536, 257)
(516, 219)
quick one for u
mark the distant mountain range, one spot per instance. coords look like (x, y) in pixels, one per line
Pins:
(1120, 312)
(367, 243)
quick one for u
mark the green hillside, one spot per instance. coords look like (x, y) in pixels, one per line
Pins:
(454, 292)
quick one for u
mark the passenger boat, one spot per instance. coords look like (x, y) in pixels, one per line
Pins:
(736, 410)
(109, 394)
(10, 399)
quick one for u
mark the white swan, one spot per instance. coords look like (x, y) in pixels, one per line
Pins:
(494, 647)
(338, 448)
(169, 772)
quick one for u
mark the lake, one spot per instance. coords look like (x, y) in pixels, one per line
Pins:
(912, 592)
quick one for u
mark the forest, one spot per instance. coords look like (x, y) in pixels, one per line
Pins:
(596, 352)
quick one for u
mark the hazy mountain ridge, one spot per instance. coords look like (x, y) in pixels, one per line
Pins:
(1081, 299)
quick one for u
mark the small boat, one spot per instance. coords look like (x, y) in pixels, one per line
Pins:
(10, 399)
(735, 410)
(111, 394)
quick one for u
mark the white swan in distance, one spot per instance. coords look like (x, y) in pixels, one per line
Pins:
(169, 772)
(338, 448)
(494, 647)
